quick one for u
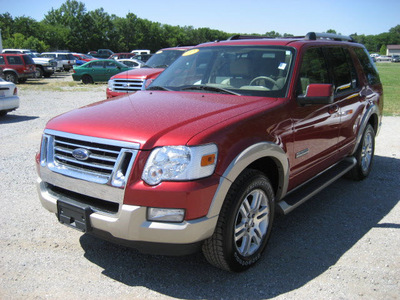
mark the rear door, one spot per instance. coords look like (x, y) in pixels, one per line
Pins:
(347, 94)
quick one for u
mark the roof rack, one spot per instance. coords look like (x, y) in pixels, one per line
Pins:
(331, 36)
(308, 36)
(247, 37)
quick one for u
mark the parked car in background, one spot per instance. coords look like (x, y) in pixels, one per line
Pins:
(383, 58)
(44, 66)
(122, 55)
(66, 59)
(83, 57)
(141, 51)
(138, 79)
(17, 67)
(101, 53)
(133, 63)
(9, 99)
(395, 58)
(143, 57)
(98, 70)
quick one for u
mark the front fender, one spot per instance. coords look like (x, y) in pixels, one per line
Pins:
(241, 162)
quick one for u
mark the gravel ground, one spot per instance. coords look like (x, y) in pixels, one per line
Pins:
(342, 244)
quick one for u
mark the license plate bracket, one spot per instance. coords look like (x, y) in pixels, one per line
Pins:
(74, 215)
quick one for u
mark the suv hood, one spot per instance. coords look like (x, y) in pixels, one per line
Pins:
(141, 73)
(42, 60)
(155, 118)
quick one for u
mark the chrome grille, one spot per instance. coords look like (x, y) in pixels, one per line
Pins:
(93, 159)
(126, 85)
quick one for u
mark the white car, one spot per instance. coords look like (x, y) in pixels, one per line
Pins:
(131, 62)
(9, 99)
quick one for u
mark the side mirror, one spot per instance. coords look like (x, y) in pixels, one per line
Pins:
(317, 94)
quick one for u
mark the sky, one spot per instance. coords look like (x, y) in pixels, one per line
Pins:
(296, 17)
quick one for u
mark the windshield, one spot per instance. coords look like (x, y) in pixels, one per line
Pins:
(163, 58)
(240, 70)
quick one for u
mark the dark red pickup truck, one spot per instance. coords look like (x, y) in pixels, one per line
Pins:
(230, 134)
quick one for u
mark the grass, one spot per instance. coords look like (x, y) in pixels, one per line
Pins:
(390, 77)
(60, 82)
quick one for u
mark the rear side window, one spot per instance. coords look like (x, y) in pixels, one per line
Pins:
(28, 60)
(313, 69)
(14, 60)
(344, 74)
(368, 66)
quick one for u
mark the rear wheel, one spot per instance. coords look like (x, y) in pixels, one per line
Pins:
(364, 155)
(244, 224)
(86, 79)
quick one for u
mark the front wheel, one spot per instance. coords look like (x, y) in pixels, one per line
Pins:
(364, 155)
(11, 77)
(244, 224)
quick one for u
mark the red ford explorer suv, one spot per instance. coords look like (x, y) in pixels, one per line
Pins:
(17, 68)
(135, 80)
(230, 134)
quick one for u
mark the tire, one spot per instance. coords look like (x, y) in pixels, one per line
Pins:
(22, 80)
(364, 155)
(9, 76)
(86, 79)
(244, 224)
(39, 72)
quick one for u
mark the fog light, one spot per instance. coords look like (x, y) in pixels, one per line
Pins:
(175, 215)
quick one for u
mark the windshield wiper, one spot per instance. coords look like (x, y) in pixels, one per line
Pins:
(209, 88)
(158, 88)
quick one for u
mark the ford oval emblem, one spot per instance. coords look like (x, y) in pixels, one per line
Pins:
(81, 154)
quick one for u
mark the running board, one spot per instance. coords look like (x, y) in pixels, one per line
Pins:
(315, 185)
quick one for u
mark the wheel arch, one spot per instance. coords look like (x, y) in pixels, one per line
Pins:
(265, 157)
(371, 116)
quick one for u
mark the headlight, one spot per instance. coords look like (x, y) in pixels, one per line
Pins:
(110, 83)
(179, 163)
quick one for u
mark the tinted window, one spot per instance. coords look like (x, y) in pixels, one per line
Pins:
(368, 66)
(2, 62)
(313, 69)
(14, 60)
(96, 64)
(344, 75)
(163, 59)
(110, 65)
(28, 60)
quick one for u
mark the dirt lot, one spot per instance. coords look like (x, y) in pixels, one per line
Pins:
(342, 244)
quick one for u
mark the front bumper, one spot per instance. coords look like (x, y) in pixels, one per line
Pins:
(129, 226)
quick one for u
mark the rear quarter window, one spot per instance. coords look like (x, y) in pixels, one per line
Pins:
(28, 60)
(368, 66)
(342, 68)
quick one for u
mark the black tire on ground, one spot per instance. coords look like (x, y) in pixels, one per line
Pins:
(39, 72)
(364, 155)
(244, 224)
(9, 76)
(86, 79)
